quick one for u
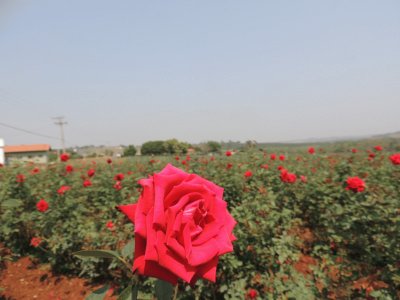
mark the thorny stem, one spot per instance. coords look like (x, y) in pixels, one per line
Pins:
(176, 291)
(40, 247)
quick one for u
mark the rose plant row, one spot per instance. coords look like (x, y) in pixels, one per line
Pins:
(299, 224)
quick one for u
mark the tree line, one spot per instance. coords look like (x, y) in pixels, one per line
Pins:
(172, 146)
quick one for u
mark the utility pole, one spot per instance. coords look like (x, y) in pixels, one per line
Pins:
(60, 122)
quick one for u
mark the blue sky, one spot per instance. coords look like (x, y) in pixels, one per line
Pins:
(124, 72)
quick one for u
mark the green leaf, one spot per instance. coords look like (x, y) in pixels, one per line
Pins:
(11, 203)
(127, 251)
(98, 294)
(164, 290)
(98, 254)
(129, 293)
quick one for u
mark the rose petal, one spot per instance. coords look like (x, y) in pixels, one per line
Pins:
(153, 269)
(140, 246)
(129, 210)
(179, 191)
(208, 270)
(171, 170)
(146, 200)
(217, 190)
(203, 253)
(171, 261)
(151, 250)
(187, 240)
(140, 225)
(223, 241)
(177, 248)
(210, 230)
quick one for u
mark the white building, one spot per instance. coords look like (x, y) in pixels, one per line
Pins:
(36, 153)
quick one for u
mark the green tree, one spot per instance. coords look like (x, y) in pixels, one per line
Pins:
(174, 146)
(130, 151)
(153, 147)
(213, 146)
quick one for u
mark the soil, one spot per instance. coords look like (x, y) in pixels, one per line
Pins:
(22, 279)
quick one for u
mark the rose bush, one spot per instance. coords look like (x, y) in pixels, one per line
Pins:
(310, 239)
(182, 226)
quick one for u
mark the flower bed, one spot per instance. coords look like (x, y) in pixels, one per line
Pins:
(310, 225)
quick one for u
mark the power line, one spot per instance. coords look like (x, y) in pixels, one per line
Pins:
(28, 131)
(10, 98)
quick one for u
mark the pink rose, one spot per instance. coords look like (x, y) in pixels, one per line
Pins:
(182, 226)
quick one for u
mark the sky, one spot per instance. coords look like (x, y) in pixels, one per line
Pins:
(126, 72)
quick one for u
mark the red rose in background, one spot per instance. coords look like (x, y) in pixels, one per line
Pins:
(63, 189)
(42, 205)
(395, 158)
(91, 172)
(378, 148)
(182, 226)
(110, 225)
(355, 184)
(229, 166)
(87, 183)
(303, 178)
(248, 174)
(228, 153)
(69, 168)
(251, 294)
(311, 150)
(272, 156)
(20, 178)
(119, 177)
(354, 150)
(64, 157)
(109, 161)
(35, 171)
(282, 157)
(35, 241)
(118, 185)
(288, 177)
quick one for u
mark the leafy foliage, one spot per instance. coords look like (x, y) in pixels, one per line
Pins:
(309, 239)
(130, 151)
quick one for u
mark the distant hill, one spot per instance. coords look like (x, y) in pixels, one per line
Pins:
(393, 135)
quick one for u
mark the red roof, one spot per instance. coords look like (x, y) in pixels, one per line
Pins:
(26, 148)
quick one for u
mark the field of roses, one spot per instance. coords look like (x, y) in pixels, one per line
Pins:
(312, 223)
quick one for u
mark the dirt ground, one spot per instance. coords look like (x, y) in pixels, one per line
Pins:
(24, 280)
